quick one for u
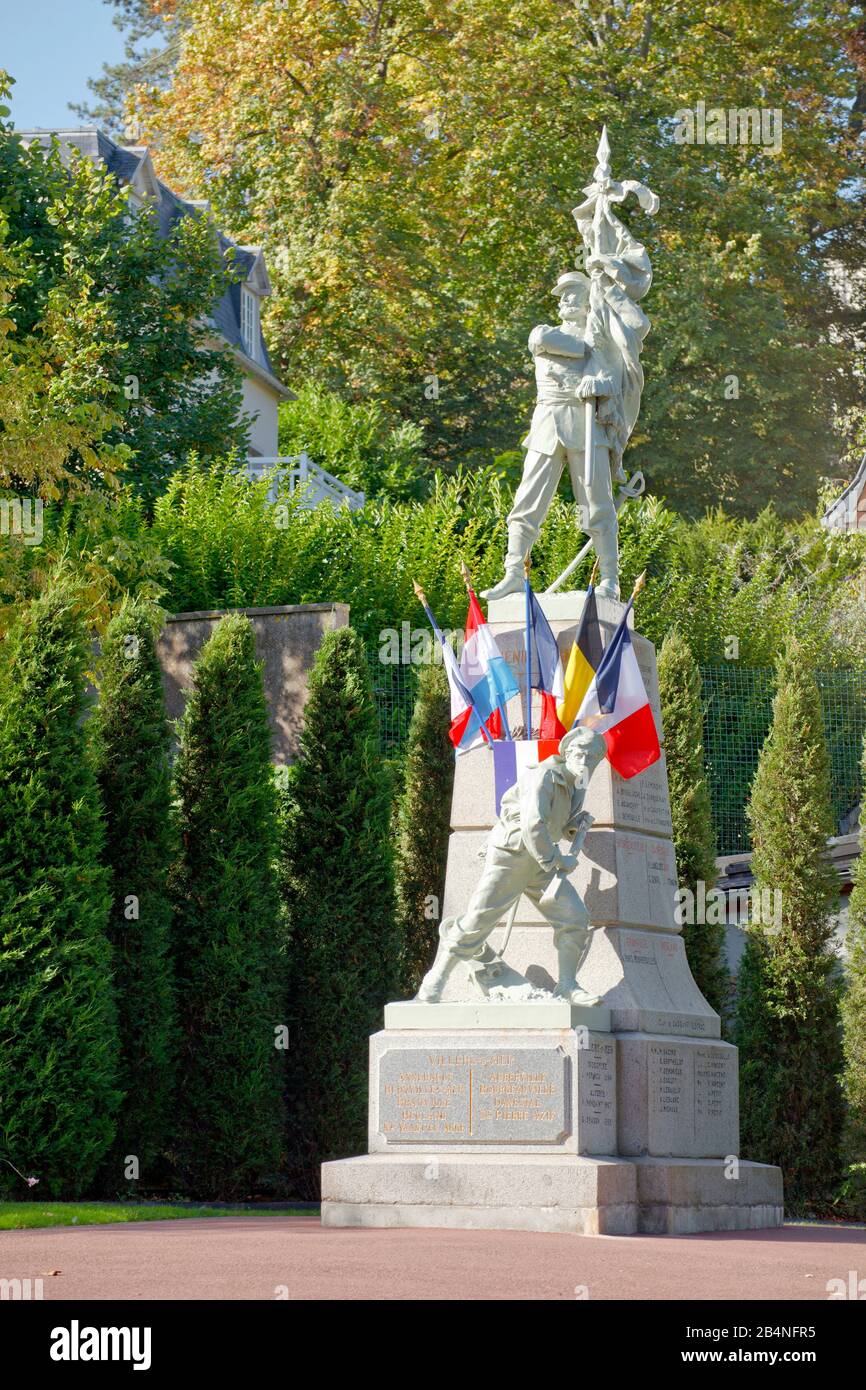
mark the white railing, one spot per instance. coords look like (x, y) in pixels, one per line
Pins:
(317, 483)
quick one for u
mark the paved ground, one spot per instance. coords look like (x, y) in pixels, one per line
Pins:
(254, 1257)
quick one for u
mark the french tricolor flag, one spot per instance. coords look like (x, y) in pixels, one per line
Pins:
(617, 707)
(511, 760)
(487, 678)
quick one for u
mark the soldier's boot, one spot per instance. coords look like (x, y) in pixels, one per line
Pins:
(433, 984)
(571, 948)
(607, 553)
(520, 540)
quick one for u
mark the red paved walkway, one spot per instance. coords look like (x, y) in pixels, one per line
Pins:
(251, 1257)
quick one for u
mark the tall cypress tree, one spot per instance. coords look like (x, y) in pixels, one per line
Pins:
(58, 1060)
(788, 1003)
(226, 931)
(423, 825)
(131, 743)
(691, 814)
(854, 1004)
(337, 876)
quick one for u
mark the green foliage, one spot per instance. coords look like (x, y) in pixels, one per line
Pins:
(215, 542)
(694, 838)
(226, 954)
(360, 442)
(58, 1062)
(56, 405)
(139, 304)
(854, 1011)
(411, 180)
(423, 824)
(716, 578)
(788, 1004)
(131, 743)
(337, 880)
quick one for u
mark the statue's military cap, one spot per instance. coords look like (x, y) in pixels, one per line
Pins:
(568, 281)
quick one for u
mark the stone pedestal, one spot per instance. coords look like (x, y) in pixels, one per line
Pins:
(535, 1115)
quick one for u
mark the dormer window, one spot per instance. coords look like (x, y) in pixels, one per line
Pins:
(250, 331)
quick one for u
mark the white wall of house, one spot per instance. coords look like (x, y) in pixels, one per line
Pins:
(264, 432)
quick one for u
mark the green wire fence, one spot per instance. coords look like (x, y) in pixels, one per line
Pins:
(737, 712)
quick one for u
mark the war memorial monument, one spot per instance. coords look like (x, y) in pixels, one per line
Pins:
(559, 1069)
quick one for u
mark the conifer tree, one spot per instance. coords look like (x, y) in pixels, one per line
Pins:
(58, 1059)
(691, 813)
(131, 742)
(788, 1002)
(423, 825)
(854, 1003)
(337, 875)
(226, 936)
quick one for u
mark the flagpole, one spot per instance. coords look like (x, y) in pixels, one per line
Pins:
(467, 580)
(638, 585)
(527, 564)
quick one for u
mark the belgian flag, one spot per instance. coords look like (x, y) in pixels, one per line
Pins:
(583, 662)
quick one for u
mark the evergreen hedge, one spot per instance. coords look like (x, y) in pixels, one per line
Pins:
(423, 825)
(226, 932)
(337, 879)
(694, 838)
(131, 741)
(788, 1001)
(58, 1060)
(854, 1012)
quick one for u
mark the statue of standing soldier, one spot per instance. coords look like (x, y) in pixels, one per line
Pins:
(589, 380)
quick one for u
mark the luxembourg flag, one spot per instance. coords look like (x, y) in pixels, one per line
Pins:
(617, 707)
(485, 672)
(511, 760)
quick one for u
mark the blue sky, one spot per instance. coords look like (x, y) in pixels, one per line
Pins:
(51, 48)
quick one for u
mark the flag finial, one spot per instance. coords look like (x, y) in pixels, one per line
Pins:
(464, 570)
(602, 155)
(527, 563)
(639, 584)
(419, 592)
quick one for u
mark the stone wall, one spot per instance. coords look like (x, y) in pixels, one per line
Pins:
(287, 639)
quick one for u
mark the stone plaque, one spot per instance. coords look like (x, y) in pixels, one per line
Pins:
(596, 1096)
(642, 802)
(479, 1095)
(678, 1097)
(645, 979)
(671, 1099)
(646, 875)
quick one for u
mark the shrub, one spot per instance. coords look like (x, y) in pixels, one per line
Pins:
(58, 1063)
(694, 839)
(337, 881)
(854, 1016)
(226, 949)
(788, 1003)
(423, 826)
(131, 747)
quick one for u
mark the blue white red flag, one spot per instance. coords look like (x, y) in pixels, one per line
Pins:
(511, 760)
(467, 721)
(616, 705)
(544, 667)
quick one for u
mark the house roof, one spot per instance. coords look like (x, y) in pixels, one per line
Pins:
(132, 165)
(853, 488)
